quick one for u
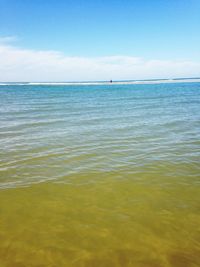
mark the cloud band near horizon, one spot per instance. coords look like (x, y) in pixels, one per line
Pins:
(18, 64)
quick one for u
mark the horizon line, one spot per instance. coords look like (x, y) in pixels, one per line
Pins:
(109, 81)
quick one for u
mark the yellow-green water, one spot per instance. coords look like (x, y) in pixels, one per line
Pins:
(100, 176)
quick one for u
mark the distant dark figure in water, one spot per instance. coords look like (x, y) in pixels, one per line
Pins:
(110, 81)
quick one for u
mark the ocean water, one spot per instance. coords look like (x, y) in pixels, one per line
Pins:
(100, 175)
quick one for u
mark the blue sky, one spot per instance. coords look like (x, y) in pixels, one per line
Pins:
(165, 30)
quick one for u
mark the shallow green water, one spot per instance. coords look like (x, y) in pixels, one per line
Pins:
(100, 175)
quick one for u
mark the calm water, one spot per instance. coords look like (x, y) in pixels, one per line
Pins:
(105, 175)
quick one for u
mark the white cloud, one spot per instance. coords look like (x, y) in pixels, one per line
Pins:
(17, 64)
(7, 39)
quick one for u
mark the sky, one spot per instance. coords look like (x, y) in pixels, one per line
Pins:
(86, 40)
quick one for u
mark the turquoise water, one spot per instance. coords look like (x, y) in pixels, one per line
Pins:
(103, 175)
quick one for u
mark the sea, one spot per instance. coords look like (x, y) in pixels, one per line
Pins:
(100, 174)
